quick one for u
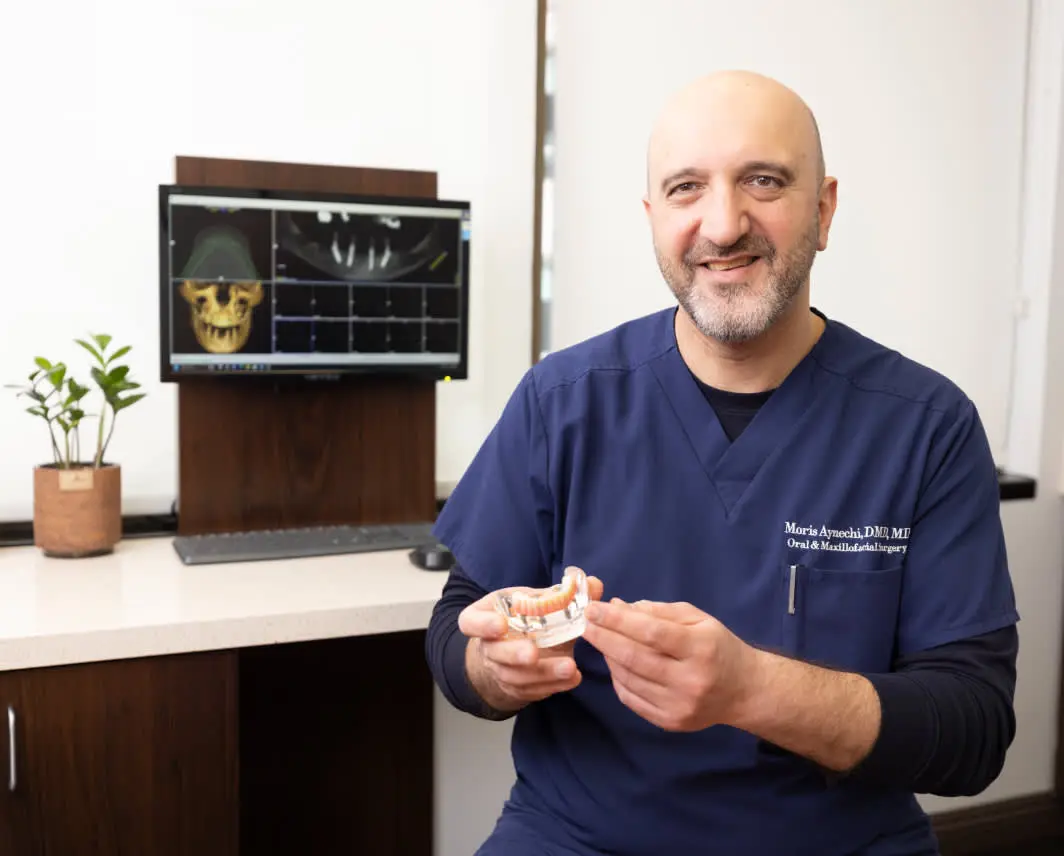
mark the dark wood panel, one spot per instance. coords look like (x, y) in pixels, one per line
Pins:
(1026, 825)
(123, 759)
(337, 748)
(321, 178)
(258, 454)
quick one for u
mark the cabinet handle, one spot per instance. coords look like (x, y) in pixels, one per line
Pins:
(12, 774)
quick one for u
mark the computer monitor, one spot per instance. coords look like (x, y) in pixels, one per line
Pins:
(311, 285)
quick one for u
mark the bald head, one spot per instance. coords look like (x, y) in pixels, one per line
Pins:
(732, 113)
(738, 202)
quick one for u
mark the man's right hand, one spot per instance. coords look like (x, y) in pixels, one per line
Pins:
(509, 673)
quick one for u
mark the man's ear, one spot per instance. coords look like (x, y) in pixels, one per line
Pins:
(826, 205)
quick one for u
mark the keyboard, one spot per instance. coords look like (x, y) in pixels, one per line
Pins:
(300, 543)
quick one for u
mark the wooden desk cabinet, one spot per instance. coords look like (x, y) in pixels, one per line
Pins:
(135, 756)
(315, 748)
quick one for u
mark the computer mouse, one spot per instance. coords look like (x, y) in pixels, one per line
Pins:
(432, 557)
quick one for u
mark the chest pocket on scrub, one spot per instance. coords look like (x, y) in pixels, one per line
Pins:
(841, 618)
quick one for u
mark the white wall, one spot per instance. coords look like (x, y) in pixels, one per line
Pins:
(923, 129)
(109, 92)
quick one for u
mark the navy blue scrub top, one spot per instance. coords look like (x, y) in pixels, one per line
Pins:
(855, 519)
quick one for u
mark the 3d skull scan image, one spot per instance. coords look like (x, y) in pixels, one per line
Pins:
(366, 247)
(222, 288)
(221, 314)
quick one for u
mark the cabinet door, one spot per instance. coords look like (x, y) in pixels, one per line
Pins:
(122, 758)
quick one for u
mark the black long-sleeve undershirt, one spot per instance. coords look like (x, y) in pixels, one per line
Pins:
(947, 713)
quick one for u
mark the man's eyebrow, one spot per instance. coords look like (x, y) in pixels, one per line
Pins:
(672, 177)
(781, 169)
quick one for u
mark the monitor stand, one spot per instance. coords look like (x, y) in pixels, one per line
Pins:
(259, 454)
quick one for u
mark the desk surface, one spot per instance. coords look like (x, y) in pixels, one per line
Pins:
(142, 601)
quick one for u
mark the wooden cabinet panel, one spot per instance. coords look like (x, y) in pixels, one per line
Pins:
(123, 758)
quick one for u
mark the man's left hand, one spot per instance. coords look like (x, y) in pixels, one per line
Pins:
(672, 663)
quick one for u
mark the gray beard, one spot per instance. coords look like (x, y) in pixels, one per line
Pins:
(731, 314)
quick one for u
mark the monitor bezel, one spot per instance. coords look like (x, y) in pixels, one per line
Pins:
(323, 371)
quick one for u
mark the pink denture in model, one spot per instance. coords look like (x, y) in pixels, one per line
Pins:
(548, 616)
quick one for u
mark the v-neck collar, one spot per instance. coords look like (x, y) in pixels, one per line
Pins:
(732, 467)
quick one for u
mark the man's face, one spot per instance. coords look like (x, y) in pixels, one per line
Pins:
(737, 212)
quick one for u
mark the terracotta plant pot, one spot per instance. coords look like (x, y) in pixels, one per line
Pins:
(77, 512)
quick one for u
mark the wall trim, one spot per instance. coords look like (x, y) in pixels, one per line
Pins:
(1005, 828)
(1025, 448)
(537, 213)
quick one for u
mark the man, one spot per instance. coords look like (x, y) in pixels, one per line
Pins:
(803, 608)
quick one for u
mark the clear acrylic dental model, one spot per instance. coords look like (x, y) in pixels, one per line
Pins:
(548, 616)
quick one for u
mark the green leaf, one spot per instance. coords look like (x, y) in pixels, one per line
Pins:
(121, 352)
(117, 374)
(128, 401)
(57, 375)
(91, 350)
(43, 363)
(77, 391)
(103, 340)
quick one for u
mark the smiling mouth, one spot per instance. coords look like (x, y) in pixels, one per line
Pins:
(730, 264)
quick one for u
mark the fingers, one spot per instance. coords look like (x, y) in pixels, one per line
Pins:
(594, 588)
(520, 652)
(511, 652)
(650, 689)
(641, 706)
(550, 670)
(621, 628)
(633, 656)
(482, 619)
(635, 687)
(681, 613)
(538, 691)
(527, 673)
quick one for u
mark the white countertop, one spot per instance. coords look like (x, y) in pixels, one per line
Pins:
(142, 601)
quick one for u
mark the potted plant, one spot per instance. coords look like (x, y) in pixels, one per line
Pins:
(77, 501)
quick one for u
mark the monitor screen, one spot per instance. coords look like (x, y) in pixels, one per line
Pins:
(257, 282)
